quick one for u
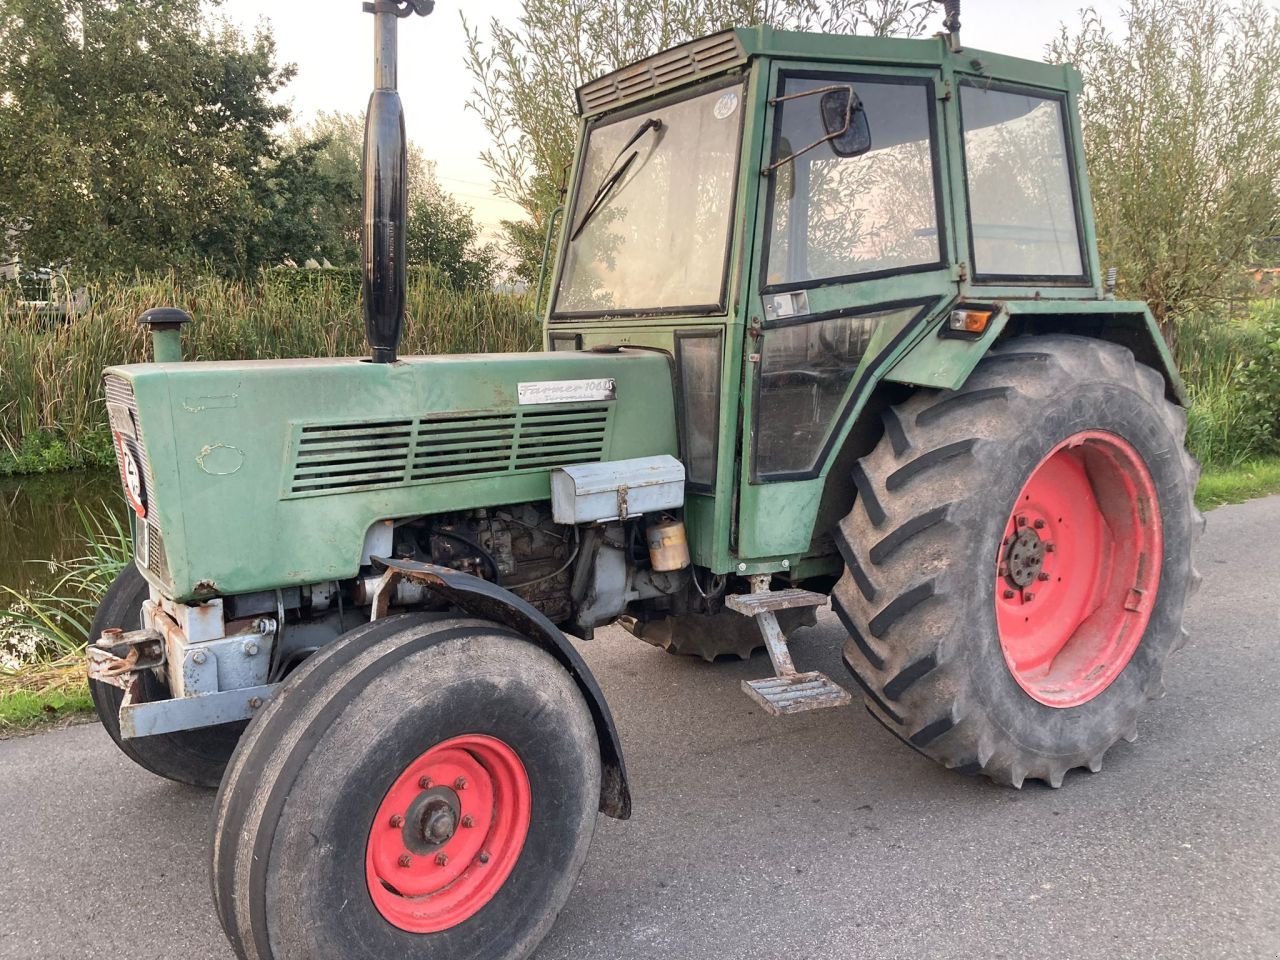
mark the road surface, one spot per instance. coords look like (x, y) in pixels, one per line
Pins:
(807, 837)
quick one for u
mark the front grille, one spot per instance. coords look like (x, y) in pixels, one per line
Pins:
(376, 454)
(151, 544)
(689, 61)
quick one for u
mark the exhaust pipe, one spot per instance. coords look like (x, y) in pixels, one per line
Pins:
(386, 179)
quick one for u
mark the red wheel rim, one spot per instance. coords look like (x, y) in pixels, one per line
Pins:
(448, 834)
(1078, 569)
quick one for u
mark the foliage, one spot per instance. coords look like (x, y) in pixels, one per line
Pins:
(132, 132)
(1258, 385)
(51, 388)
(322, 210)
(1212, 349)
(525, 75)
(1179, 115)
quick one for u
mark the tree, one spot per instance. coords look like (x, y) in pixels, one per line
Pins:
(1181, 129)
(526, 74)
(132, 132)
(318, 189)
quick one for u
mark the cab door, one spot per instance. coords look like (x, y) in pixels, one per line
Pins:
(855, 256)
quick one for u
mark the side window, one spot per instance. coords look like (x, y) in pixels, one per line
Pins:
(699, 355)
(838, 217)
(1022, 209)
(805, 372)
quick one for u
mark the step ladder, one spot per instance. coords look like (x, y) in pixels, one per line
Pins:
(789, 691)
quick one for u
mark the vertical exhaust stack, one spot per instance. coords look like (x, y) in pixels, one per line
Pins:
(386, 180)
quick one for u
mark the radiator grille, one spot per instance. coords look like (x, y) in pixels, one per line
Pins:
(372, 455)
(686, 62)
(151, 546)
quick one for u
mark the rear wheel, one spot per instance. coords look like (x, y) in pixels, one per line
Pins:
(195, 757)
(1019, 559)
(422, 787)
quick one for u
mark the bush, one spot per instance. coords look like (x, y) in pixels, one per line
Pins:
(1232, 412)
(1259, 388)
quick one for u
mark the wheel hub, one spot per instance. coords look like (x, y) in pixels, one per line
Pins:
(431, 820)
(1070, 623)
(448, 833)
(1024, 557)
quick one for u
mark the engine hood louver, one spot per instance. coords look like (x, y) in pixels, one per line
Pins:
(376, 454)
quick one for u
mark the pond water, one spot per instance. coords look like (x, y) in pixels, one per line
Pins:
(41, 521)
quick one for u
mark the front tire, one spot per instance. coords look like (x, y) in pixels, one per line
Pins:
(422, 787)
(1019, 558)
(194, 757)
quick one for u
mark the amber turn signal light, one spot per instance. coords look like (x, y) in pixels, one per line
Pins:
(970, 321)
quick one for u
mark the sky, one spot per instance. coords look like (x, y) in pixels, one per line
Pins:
(331, 43)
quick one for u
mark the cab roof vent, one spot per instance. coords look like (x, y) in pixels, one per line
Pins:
(679, 65)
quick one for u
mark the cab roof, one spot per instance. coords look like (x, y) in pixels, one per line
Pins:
(730, 50)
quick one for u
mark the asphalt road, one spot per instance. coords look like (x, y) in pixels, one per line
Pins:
(807, 837)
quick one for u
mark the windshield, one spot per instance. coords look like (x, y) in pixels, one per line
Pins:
(650, 224)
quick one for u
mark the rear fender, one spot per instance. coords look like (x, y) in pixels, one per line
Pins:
(486, 600)
(945, 362)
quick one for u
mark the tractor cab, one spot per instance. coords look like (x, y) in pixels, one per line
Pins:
(797, 220)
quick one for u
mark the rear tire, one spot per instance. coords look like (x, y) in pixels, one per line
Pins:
(313, 854)
(938, 640)
(195, 757)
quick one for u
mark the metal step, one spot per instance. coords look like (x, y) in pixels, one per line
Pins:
(753, 604)
(796, 693)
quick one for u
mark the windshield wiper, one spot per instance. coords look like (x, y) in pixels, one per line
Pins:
(612, 179)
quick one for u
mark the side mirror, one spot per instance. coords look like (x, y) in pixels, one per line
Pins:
(845, 120)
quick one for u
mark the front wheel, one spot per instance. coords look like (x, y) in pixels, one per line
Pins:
(195, 757)
(422, 787)
(1019, 558)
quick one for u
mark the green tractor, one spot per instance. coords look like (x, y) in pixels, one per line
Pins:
(826, 324)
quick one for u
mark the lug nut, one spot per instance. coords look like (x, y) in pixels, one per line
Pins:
(460, 783)
(442, 859)
(468, 821)
(1028, 597)
(1048, 547)
(1039, 524)
(1009, 594)
(405, 860)
(1022, 521)
(484, 856)
(424, 782)
(1043, 576)
(397, 821)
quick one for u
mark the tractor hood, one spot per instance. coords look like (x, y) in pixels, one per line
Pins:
(256, 475)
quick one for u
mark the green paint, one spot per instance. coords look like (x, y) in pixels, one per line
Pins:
(166, 345)
(224, 472)
(225, 440)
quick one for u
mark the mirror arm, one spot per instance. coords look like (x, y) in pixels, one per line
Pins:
(848, 122)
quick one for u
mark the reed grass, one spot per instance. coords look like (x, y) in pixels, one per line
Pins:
(51, 412)
(52, 624)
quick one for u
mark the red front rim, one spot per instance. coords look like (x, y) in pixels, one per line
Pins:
(1078, 569)
(448, 834)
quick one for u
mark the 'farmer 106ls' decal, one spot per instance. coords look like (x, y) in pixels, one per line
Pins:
(567, 391)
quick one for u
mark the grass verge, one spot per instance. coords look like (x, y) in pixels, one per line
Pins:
(42, 694)
(1223, 485)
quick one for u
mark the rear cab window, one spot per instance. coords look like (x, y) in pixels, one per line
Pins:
(1024, 220)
